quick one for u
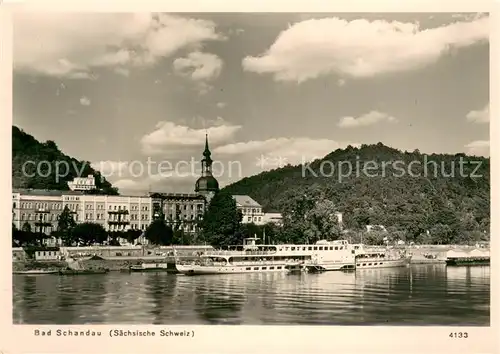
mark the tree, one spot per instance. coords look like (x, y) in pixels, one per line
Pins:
(441, 233)
(374, 238)
(24, 236)
(26, 227)
(132, 235)
(159, 233)
(273, 233)
(321, 221)
(65, 225)
(251, 230)
(222, 220)
(89, 233)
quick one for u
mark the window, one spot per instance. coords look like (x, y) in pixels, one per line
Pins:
(293, 248)
(331, 248)
(249, 268)
(309, 248)
(271, 267)
(321, 248)
(255, 268)
(264, 268)
(336, 248)
(315, 248)
(279, 267)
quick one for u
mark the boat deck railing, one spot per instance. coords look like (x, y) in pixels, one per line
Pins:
(239, 253)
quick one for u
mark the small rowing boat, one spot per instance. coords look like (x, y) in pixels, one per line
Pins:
(36, 272)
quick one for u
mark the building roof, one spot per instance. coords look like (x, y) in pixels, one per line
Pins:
(175, 195)
(206, 184)
(245, 201)
(45, 192)
(59, 193)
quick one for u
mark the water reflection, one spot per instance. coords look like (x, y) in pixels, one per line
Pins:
(417, 295)
(219, 299)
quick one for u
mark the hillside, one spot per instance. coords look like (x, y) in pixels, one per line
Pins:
(429, 198)
(25, 148)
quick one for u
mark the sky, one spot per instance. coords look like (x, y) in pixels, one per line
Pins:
(136, 93)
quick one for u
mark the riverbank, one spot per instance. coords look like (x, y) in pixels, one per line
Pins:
(110, 264)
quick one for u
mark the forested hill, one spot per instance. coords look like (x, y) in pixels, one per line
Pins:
(380, 190)
(25, 148)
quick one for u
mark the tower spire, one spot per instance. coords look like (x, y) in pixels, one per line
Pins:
(207, 159)
(206, 185)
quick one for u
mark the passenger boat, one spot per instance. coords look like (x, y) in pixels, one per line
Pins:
(37, 272)
(380, 258)
(149, 267)
(251, 258)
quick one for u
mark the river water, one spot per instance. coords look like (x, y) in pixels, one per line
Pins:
(416, 295)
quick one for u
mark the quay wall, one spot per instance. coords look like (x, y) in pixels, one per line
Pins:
(113, 264)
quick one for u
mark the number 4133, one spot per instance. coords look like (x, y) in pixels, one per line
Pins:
(459, 335)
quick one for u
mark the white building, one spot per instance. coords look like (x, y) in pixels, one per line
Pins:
(82, 183)
(376, 227)
(251, 210)
(275, 218)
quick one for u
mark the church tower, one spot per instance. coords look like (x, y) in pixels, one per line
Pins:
(206, 185)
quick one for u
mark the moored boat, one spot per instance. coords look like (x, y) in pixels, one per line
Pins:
(82, 271)
(380, 258)
(36, 272)
(252, 258)
(467, 261)
(150, 267)
(472, 258)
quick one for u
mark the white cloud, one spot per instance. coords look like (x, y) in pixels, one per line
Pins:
(131, 185)
(367, 119)
(72, 45)
(199, 66)
(221, 104)
(85, 101)
(169, 135)
(109, 168)
(481, 116)
(478, 148)
(360, 48)
(282, 150)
